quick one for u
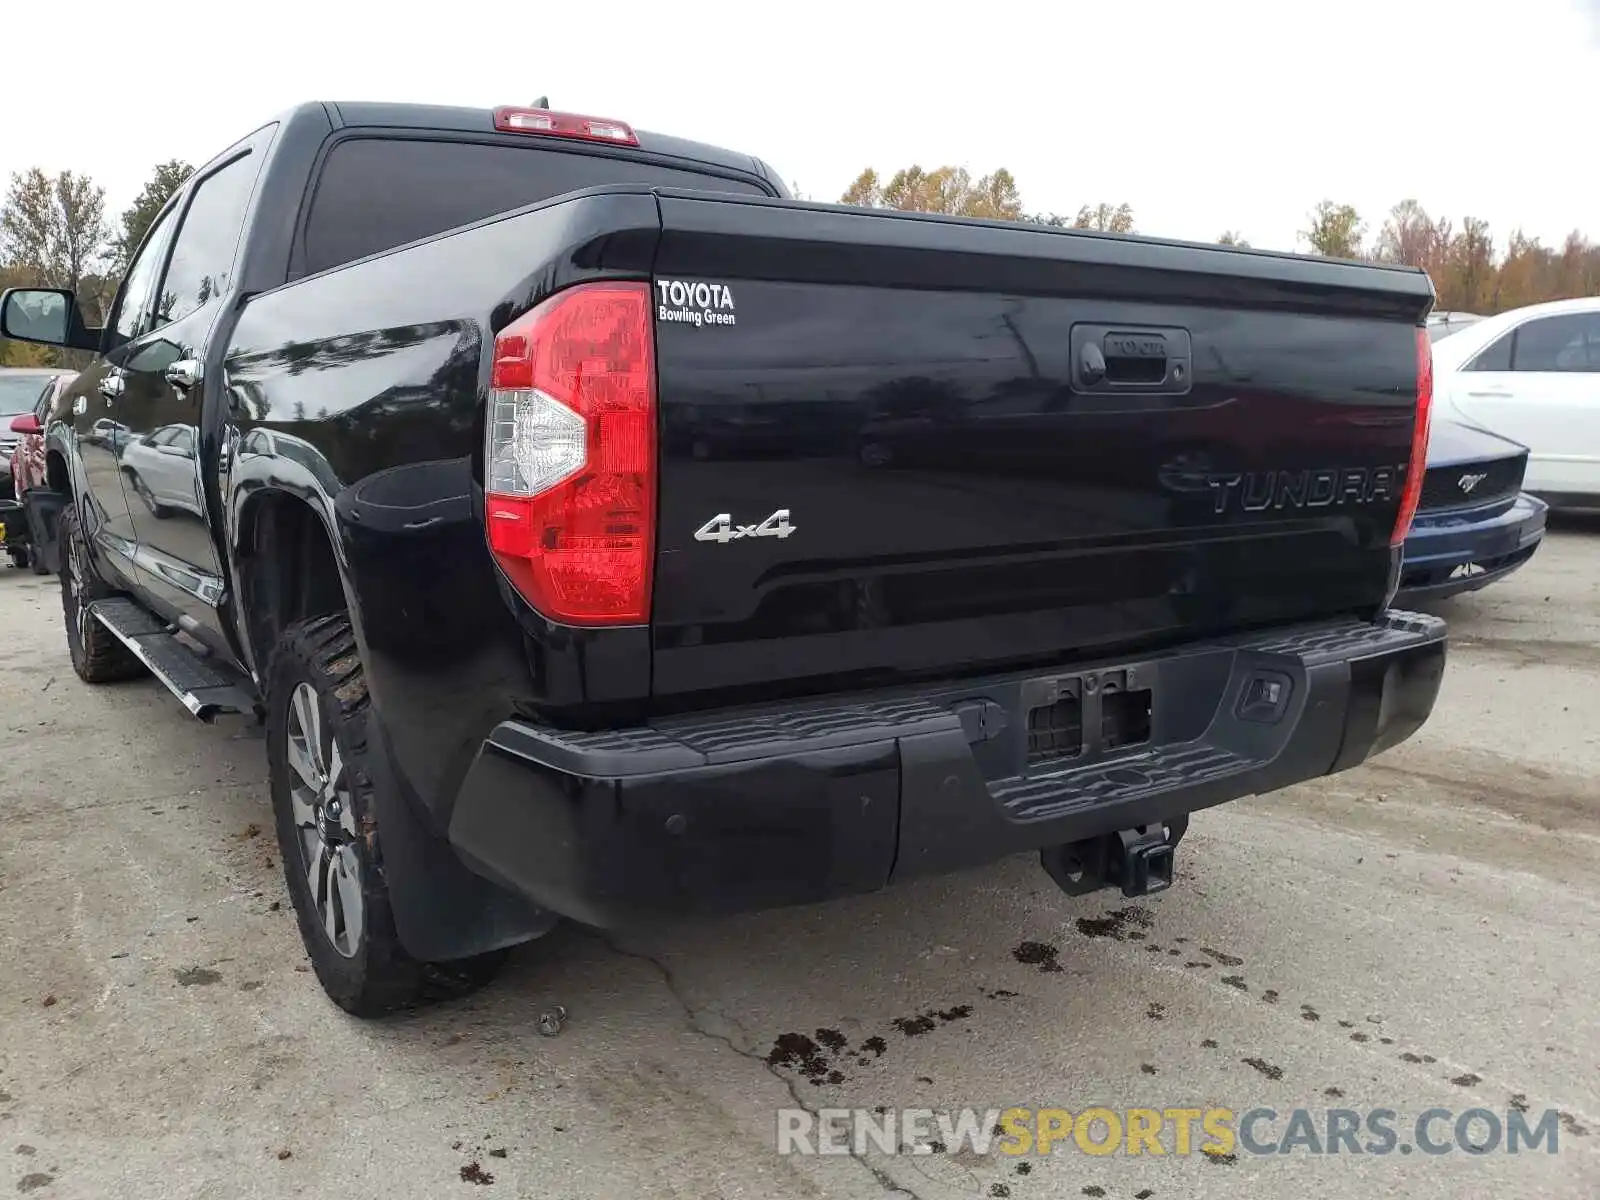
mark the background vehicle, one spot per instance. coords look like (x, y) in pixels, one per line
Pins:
(1533, 375)
(1474, 523)
(20, 393)
(23, 394)
(528, 645)
(113, 435)
(159, 468)
(1450, 321)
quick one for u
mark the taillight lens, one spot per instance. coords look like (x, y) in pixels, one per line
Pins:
(1418, 466)
(570, 461)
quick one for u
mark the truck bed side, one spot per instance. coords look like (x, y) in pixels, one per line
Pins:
(360, 391)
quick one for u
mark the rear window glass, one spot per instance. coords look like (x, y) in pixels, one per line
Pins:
(377, 193)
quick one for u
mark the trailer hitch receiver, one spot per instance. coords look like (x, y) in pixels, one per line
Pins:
(1139, 860)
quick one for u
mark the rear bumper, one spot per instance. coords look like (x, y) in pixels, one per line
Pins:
(1490, 545)
(788, 804)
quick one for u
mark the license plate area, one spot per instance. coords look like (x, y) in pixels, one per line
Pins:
(1075, 717)
(1055, 729)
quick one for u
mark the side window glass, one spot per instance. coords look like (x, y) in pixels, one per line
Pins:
(1494, 357)
(183, 439)
(133, 302)
(1565, 343)
(201, 267)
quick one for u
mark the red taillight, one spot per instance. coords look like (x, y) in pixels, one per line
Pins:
(567, 125)
(570, 458)
(1418, 466)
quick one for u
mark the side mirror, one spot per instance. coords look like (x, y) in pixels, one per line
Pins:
(26, 423)
(49, 316)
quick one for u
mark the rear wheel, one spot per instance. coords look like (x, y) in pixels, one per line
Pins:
(97, 655)
(19, 557)
(319, 761)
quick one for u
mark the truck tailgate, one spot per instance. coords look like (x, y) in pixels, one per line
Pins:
(896, 446)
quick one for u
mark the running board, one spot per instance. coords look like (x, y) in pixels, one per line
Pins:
(205, 686)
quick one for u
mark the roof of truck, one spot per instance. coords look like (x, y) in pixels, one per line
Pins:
(481, 120)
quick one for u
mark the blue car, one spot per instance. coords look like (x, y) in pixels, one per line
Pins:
(1474, 524)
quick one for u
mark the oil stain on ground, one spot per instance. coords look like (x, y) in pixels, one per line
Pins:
(1268, 1069)
(1038, 954)
(473, 1173)
(810, 1057)
(798, 1051)
(1116, 922)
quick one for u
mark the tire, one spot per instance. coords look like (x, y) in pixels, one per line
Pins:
(323, 806)
(19, 558)
(97, 655)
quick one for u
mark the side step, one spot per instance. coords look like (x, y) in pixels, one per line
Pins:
(205, 686)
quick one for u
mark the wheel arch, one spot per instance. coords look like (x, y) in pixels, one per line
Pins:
(442, 910)
(57, 475)
(286, 567)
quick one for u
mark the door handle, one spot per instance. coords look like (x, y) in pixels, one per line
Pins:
(111, 387)
(184, 373)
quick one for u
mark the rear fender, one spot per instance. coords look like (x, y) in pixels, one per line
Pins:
(442, 911)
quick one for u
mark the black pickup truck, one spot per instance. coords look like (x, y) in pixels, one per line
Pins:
(601, 533)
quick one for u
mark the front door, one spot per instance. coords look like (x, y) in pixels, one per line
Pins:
(94, 404)
(162, 397)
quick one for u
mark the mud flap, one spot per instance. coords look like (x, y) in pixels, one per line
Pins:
(442, 911)
(42, 509)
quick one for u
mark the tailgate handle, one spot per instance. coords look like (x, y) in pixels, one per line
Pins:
(1114, 359)
(1135, 357)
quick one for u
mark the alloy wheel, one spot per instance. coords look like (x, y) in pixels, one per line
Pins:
(74, 567)
(319, 794)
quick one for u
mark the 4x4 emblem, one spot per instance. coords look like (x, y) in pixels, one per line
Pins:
(722, 529)
(1468, 482)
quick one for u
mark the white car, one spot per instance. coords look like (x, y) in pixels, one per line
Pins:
(1532, 375)
(160, 469)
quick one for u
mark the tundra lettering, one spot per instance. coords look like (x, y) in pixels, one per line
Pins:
(1259, 490)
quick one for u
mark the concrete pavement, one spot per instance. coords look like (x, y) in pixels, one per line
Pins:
(1421, 932)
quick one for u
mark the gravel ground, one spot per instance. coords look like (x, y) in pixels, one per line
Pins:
(1420, 932)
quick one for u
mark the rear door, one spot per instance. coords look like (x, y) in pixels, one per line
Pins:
(1539, 384)
(163, 387)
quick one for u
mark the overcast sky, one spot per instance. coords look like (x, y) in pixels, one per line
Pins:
(1204, 115)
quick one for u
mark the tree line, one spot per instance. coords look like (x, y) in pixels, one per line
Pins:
(54, 232)
(1468, 271)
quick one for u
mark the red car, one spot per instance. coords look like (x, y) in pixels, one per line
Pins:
(28, 398)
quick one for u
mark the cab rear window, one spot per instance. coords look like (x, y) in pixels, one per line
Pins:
(377, 193)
